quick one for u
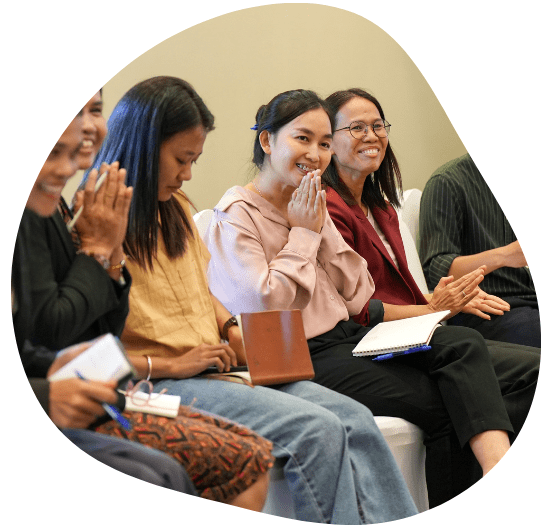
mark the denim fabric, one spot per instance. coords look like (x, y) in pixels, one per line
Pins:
(335, 457)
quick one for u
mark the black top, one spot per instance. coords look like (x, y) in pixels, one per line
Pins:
(36, 358)
(73, 298)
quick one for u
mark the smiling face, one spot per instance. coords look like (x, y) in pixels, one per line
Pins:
(301, 146)
(94, 129)
(176, 156)
(60, 165)
(357, 158)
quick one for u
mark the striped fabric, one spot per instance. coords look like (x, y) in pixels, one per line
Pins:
(459, 215)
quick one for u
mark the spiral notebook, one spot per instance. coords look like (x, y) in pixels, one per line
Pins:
(400, 335)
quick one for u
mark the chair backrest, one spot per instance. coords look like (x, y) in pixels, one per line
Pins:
(202, 221)
(409, 216)
(412, 258)
(409, 212)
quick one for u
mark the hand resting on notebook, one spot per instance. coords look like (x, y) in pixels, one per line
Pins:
(75, 403)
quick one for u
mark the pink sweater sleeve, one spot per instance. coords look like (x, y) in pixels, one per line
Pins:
(247, 274)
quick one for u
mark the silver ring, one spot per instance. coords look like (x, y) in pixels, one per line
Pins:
(463, 293)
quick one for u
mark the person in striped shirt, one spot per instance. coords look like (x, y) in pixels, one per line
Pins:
(462, 227)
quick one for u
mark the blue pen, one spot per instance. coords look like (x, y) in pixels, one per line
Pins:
(111, 410)
(402, 353)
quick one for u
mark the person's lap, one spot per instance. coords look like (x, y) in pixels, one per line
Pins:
(521, 325)
(326, 439)
(149, 465)
(404, 387)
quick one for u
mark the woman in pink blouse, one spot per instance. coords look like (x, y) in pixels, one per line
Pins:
(274, 247)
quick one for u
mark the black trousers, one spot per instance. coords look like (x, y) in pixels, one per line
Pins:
(460, 388)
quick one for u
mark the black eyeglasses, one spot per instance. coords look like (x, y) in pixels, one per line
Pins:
(359, 130)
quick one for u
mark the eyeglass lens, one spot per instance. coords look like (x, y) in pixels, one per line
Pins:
(359, 129)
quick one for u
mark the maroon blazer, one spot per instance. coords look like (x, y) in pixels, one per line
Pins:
(393, 286)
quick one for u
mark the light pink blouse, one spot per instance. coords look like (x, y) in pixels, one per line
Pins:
(259, 263)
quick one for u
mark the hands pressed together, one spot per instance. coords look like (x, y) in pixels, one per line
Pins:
(103, 223)
(307, 207)
(464, 295)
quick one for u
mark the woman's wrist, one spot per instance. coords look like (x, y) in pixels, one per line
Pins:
(151, 367)
(429, 307)
(98, 255)
(115, 270)
(117, 256)
(96, 249)
(112, 266)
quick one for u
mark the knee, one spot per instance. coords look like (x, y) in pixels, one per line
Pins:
(323, 428)
(460, 339)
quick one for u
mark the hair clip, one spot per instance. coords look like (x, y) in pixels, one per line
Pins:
(255, 127)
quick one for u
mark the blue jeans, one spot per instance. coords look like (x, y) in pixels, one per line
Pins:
(133, 459)
(335, 458)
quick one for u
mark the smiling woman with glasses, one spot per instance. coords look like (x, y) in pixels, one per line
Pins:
(363, 187)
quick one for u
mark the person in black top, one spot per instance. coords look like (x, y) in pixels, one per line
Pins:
(75, 404)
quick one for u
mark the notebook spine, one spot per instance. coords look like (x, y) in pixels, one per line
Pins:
(398, 348)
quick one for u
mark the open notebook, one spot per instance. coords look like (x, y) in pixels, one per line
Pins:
(400, 335)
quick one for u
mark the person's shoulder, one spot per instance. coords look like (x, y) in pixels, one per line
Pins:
(30, 217)
(33, 225)
(182, 198)
(234, 204)
(389, 210)
(456, 170)
(335, 203)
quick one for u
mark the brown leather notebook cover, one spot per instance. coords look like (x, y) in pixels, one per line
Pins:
(276, 347)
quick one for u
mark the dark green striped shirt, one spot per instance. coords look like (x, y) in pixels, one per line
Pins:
(459, 215)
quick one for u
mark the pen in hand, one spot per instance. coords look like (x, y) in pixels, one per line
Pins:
(111, 410)
(78, 213)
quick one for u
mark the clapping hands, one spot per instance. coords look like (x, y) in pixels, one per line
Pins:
(464, 295)
(102, 225)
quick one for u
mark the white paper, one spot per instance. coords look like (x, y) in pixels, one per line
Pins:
(159, 404)
(394, 336)
(103, 361)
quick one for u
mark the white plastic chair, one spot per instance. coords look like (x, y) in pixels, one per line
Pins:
(409, 212)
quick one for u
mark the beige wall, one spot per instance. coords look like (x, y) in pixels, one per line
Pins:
(241, 60)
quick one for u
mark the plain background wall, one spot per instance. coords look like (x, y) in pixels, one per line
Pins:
(489, 64)
(238, 61)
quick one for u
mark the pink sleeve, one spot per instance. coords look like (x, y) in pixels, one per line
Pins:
(241, 276)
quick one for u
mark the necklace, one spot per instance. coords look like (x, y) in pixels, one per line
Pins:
(258, 190)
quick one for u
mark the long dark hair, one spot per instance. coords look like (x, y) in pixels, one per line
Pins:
(281, 110)
(148, 114)
(386, 183)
